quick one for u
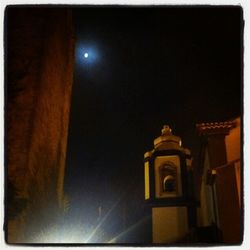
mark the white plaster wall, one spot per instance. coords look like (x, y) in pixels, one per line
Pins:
(169, 224)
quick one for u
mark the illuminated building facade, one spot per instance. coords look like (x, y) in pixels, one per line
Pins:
(39, 76)
(220, 180)
(216, 215)
(168, 188)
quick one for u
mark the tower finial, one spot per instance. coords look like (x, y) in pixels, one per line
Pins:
(166, 130)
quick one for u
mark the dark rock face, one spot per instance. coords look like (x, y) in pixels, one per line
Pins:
(39, 49)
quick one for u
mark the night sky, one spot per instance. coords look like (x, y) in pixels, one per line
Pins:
(146, 67)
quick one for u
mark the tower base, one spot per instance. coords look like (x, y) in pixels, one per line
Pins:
(169, 224)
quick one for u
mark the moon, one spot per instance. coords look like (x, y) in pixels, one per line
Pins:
(86, 55)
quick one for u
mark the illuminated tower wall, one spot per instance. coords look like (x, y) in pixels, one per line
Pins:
(168, 188)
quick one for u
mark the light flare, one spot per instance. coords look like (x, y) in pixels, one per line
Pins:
(102, 221)
(132, 227)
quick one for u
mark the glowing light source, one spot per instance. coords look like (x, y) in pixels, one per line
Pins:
(78, 232)
(87, 55)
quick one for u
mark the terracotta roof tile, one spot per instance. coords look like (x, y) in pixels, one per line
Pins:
(215, 127)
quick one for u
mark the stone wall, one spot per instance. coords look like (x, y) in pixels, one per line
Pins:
(39, 58)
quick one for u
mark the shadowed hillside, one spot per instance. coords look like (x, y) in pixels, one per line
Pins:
(39, 49)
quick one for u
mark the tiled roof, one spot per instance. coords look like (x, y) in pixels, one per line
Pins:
(215, 127)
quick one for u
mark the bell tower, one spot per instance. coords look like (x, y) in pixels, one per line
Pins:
(168, 187)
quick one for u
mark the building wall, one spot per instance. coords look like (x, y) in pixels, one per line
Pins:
(38, 82)
(228, 188)
(228, 206)
(233, 148)
(206, 213)
(233, 142)
(169, 224)
(220, 188)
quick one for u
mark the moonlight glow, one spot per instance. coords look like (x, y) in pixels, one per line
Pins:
(87, 55)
